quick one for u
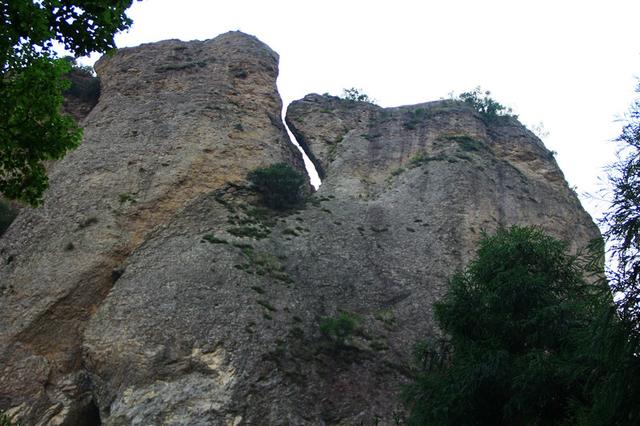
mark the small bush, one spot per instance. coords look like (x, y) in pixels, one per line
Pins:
(356, 95)
(280, 185)
(485, 105)
(340, 330)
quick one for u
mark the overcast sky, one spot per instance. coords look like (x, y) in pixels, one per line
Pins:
(570, 65)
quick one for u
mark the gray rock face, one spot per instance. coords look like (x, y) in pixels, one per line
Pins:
(152, 288)
(175, 122)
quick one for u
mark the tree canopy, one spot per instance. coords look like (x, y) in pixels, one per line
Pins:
(32, 128)
(616, 342)
(514, 320)
(622, 221)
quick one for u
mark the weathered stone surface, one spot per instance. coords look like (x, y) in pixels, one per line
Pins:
(175, 122)
(183, 302)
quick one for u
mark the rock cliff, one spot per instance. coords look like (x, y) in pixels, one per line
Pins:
(152, 288)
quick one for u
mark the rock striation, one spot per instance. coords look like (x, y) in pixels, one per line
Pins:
(152, 287)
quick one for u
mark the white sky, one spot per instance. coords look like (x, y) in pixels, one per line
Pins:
(568, 64)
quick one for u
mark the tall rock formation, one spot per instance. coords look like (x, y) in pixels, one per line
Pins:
(152, 287)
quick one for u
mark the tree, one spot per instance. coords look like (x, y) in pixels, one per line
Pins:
(614, 345)
(622, 222)
(32, 129)
(514, 321)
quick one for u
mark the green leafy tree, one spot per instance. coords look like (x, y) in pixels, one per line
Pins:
(514, 320)
(32, 129)
(280, 185)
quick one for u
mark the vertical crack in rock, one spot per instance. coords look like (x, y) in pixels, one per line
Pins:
(309, 164)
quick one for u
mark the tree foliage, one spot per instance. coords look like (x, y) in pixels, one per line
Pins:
(32, 129)
(615, 343)
(514, 320)
(280, 185)
(622, 222)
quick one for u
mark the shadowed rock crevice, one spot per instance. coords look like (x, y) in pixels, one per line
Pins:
(305, 147)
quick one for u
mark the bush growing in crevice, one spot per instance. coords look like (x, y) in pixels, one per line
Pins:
(280, 186)
(340, 330)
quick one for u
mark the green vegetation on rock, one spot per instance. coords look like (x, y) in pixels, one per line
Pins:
(280, 186)
(482, 102)
(31, 83)
(340, 329)
(356, 95)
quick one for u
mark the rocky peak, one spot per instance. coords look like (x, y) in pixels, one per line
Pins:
(175, 122)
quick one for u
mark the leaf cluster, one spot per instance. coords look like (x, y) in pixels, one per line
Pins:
(32, 128)
(622, 222)
(82, 26)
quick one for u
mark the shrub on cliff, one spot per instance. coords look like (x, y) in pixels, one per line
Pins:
(485, 105)
(280, 186)
(340, 330)
(356, 95)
